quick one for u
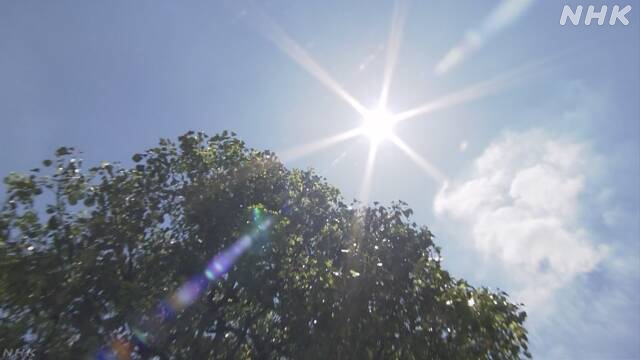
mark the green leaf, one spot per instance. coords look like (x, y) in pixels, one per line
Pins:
(62, 151)
(309, 286)
(53, 222)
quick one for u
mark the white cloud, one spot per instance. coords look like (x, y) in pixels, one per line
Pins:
(503, 15)
(522, 203)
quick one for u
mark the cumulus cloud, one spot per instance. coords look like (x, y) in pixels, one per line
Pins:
(522, 203)
(503, 15)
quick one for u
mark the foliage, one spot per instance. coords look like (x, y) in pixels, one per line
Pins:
(84, 253)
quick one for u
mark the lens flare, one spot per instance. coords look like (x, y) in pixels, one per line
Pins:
(222, 262)
(188, 293)
(118, 350)
(146, 331)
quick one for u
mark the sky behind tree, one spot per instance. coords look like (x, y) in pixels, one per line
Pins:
(535, 134)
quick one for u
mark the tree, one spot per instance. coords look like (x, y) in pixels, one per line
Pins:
(86, 256)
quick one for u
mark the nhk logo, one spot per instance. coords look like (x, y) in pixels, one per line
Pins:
(574, 16)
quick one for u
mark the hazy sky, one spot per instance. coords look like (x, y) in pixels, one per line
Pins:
(539, 154)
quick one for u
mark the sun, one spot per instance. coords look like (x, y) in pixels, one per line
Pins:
(377, 125)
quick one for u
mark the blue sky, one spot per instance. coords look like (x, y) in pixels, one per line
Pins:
(540, 188)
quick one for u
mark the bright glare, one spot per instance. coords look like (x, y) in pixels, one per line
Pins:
(378, 125)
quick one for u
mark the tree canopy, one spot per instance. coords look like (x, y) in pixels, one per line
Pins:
(87, 254)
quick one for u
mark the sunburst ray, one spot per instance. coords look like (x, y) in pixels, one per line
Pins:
(393, 46)
(423, 163)
(315, 146)
(365, 188)
(475, 91)
(285, 42)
